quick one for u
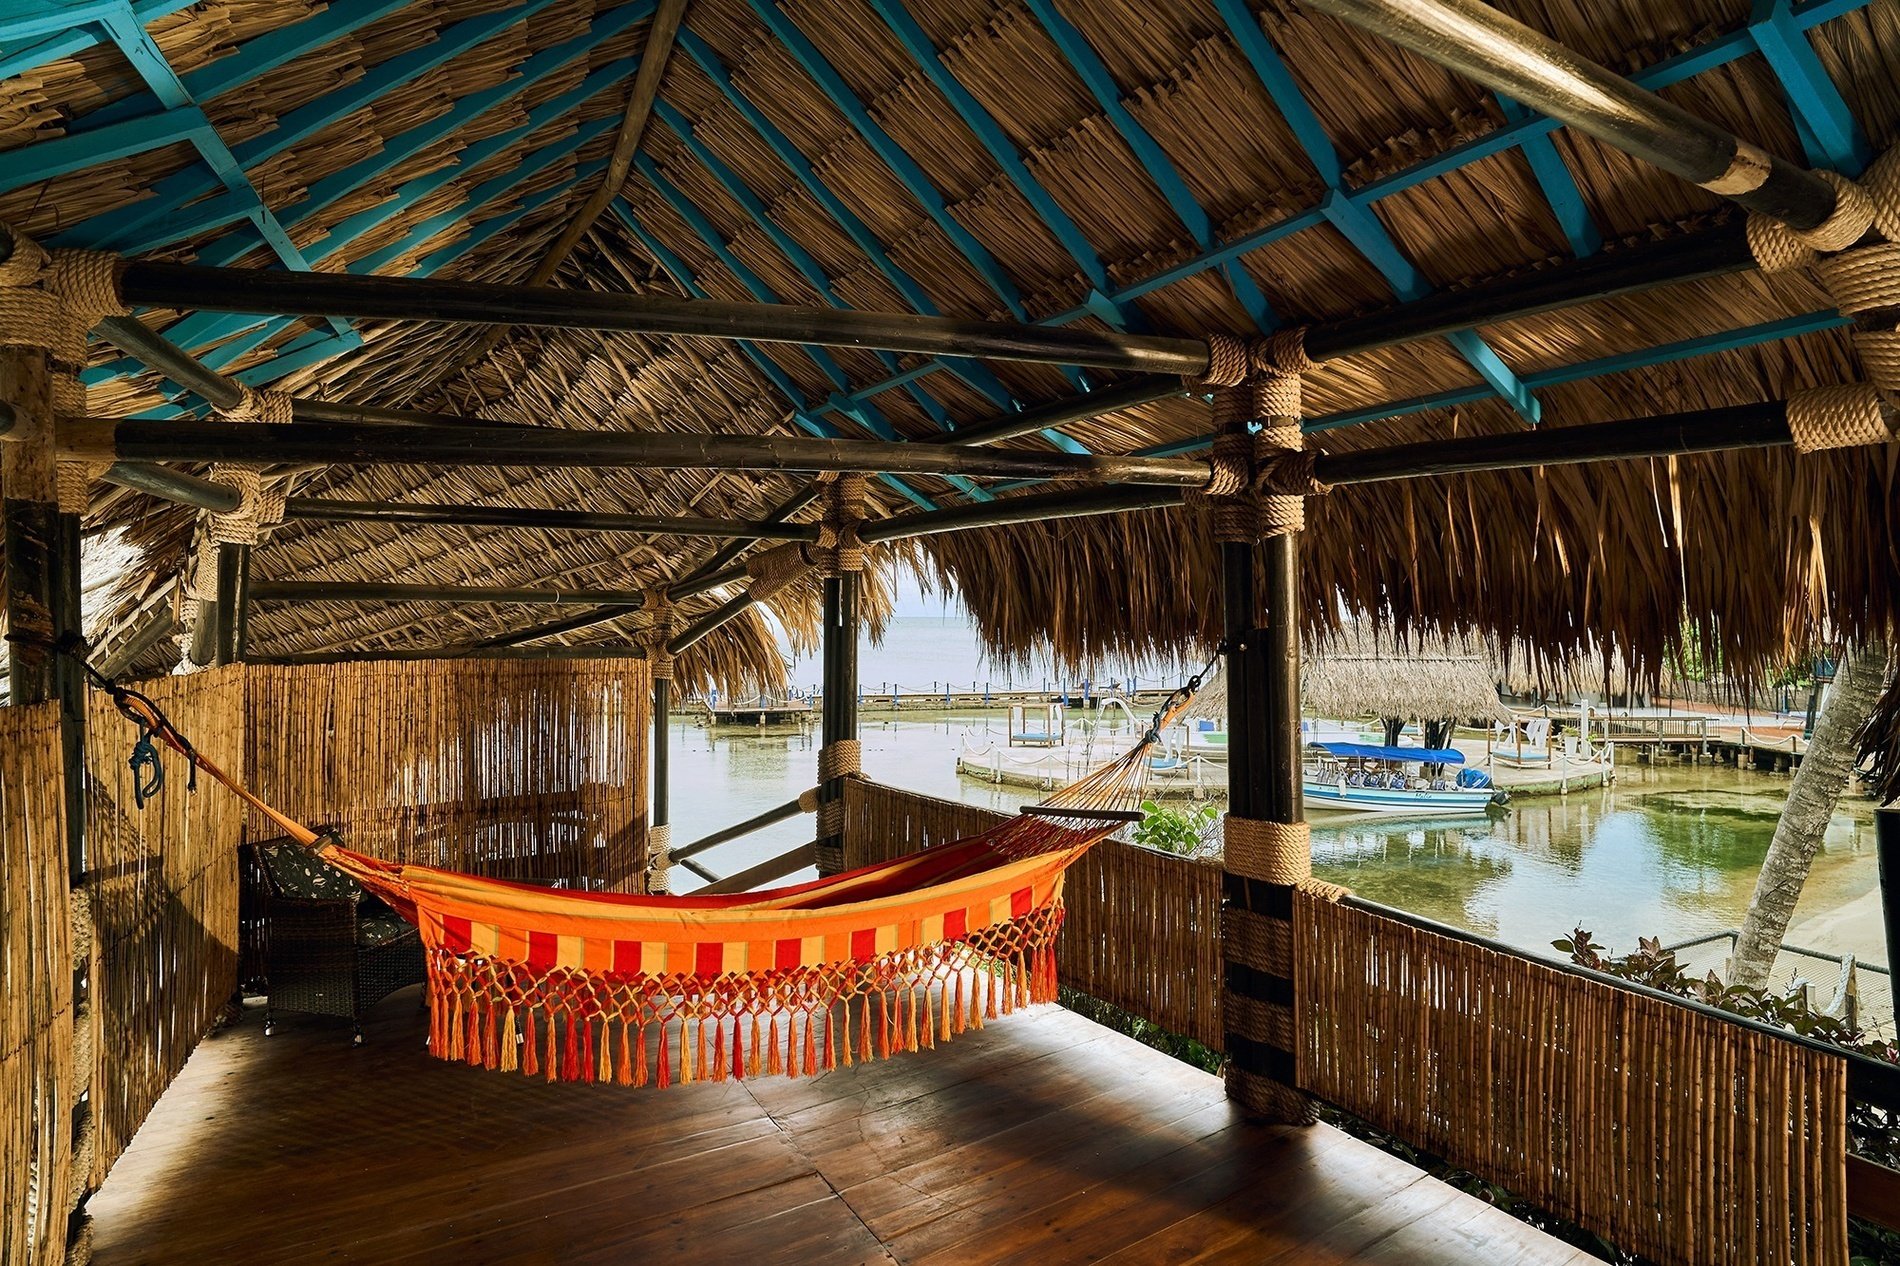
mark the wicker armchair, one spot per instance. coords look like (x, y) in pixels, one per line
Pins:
(331, 948)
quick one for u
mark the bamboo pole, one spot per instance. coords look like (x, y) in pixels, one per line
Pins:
(272, 293)
(1505, 55)
(407, 512)
(354, 444)
(392, 591)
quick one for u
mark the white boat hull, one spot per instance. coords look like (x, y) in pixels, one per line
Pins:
(1455, 802)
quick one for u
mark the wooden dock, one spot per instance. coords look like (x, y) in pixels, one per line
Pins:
(1041, 1139)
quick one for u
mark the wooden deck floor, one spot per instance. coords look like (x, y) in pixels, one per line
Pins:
(1041, 1139)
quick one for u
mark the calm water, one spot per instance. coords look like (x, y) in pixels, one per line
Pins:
(1669, 852)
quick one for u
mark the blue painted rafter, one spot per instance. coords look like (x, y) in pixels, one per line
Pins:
(1349, 214)
(32, 35)
(1830, 134)
(863, 412)
(895, 157)
(1559, 187)
(803, 260)
(1088, 65)
(801, 412)
(299, 125)
(1004, 153)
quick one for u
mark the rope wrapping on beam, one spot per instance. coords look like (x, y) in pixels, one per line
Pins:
(1229, 466)
(1275, 852)
(73, 478)
(1839, 417)
(1779, 248)
(774, 569)
(842, 759)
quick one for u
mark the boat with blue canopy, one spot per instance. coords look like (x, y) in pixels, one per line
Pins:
(1370, 778)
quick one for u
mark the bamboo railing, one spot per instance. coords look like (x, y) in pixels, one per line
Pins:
(162, 883)
(1141, 929)
(38, 1088)
(1676, 1133)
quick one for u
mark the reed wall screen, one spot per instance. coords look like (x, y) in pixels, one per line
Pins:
(513, 769)
(1673, 1134)
(162, 883)
(38, 1085)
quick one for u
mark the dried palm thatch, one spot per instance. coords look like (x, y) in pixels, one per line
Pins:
(1360, 671)
(1748, 556)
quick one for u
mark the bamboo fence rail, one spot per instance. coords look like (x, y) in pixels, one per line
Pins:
(162, 881)
(38, 1086)
(1675, 1135)
(1141, 929)
(513, 769)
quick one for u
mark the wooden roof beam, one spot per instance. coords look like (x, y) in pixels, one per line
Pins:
(1506, 56)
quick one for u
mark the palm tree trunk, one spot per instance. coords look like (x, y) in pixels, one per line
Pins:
(1817, 787)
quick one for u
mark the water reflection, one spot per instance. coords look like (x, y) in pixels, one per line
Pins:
(1669, 852)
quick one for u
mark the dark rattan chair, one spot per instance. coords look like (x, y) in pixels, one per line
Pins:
(331, 948)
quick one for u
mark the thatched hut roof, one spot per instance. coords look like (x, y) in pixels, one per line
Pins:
(1360, 672)
(371, 153)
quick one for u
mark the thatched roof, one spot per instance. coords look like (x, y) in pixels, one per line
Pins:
(1752, 554)
(1361, 672)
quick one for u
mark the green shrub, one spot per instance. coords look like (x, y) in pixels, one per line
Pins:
(1169, 830)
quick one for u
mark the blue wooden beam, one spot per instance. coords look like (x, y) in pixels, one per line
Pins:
(1829, 132)
(972, 372)
(801, 259)
(864, 413)
(990, 134)
(1352, 215)
(33, 34)
(1558, 185)
(296, 126)
(682, 276)
(1093, 72)
(902, 165)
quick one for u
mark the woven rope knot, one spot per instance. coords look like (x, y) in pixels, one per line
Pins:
(1274, 852)
(1226, 362)
(773, 569)
(839, 548)
(1857, 207)
(1281, 448)
(1840, 417)
(1278, 355)
(51, 299)
(259, 406)
(1288, 472)
(655, 628)
(659, 857)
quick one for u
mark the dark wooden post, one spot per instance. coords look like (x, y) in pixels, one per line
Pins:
(228, 625)
(655, 625)
(30, 509)
(659, 806)
(1887, 849)
(839, 721)
(1266, 856)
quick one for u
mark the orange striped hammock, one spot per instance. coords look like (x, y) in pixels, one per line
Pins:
(590, 986)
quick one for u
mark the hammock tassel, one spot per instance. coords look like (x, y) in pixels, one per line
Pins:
(791, 1045)
(553, 1053)
(530, 1064)
(607, 1069)
(638, 1073)
(456, 1043)
(719, 1049)
(758, 1048)
(686, 1054)
(962, 1020)
(699, 1061)
(811, 1045)
(571, 1050)
(510, 1058)
(664, 1078)
(491, 1037)
(831, 1051)
(773, 1065)
(910, 1023)
(472, 1052)
(864, 1032)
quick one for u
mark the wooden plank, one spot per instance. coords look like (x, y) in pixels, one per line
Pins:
(1873, 1192)
(1041, 1138)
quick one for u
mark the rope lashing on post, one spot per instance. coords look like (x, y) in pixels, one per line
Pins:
(260, 504)
(1257, 479)
(838, 549)
(659, 858)
(1276, 852)
(50, 300)
(841, 759)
